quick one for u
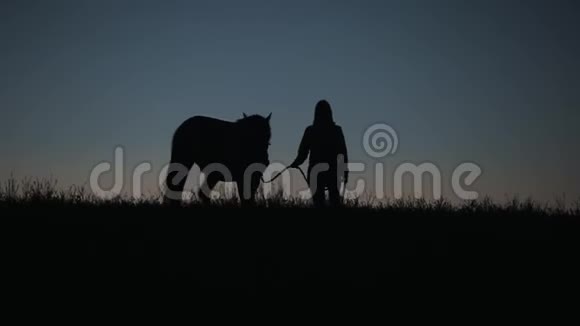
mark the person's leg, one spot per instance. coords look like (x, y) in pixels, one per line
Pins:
(318, 197)
(334, 194)
(317, 189)
(333, 182)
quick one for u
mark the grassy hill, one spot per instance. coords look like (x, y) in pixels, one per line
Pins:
(72, 240)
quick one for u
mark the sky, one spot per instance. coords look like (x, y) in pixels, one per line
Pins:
(491, 82)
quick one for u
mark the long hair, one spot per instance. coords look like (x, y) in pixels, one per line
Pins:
(323, 114)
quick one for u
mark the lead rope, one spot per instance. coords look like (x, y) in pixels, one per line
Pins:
(280, 173)
(343, 185)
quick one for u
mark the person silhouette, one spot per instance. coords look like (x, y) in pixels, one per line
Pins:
(324, 143)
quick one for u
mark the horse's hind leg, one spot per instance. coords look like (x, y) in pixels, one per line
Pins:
(176, 178)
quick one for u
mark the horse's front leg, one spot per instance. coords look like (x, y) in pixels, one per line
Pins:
(247, 190)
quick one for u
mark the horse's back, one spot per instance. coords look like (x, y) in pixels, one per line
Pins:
(203, 123)
(208, 139)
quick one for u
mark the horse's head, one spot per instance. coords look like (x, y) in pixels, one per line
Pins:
(256, 135)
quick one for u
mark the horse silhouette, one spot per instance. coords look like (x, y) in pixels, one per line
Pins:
(224, 151)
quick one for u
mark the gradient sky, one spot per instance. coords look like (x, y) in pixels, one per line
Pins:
(491, 82)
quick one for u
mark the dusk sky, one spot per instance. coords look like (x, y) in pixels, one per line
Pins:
(493, 82)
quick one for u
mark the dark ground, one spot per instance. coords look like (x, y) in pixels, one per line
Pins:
(290, 251)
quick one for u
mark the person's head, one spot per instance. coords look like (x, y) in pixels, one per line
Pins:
(323, 113)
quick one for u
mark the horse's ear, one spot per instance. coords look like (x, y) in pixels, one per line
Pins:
(268, 117)
(245, 115)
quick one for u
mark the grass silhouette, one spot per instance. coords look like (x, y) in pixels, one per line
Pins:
(44, 192)
(73, 240)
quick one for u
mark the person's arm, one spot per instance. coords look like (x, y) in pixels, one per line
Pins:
(344, 152)
(303, 149)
